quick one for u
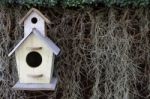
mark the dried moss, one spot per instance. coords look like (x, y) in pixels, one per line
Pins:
(104, 53)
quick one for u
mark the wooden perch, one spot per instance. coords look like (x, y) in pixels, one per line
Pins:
(34, 48)
(35, 75)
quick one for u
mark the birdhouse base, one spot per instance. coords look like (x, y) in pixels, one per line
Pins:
(36, 86)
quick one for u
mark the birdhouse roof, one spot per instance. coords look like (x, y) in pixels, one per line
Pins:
(38, 12)
(50, 44)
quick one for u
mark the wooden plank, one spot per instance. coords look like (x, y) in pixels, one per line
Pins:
(36, 86)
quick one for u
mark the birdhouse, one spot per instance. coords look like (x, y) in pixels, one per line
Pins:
(35, 54)
(34, 19)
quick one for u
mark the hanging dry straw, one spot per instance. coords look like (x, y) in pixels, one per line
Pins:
(105, 53)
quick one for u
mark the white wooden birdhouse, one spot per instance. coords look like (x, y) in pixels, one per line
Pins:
(35, 54)
(34, 19)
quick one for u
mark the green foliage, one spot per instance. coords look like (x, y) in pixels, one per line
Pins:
(108, 2)
(70, 3)
(37, 2)
(30, 2)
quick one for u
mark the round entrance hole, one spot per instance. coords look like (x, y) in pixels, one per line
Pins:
(34, 20)
(34, 59)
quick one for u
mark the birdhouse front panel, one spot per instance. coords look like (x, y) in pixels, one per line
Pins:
(34, 61)
(34, 20)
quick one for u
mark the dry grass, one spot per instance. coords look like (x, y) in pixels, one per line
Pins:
(105, 53)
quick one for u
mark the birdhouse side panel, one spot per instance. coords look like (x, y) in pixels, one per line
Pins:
(34, 61)
(34, 21)
(18, 61)
(52, 67)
